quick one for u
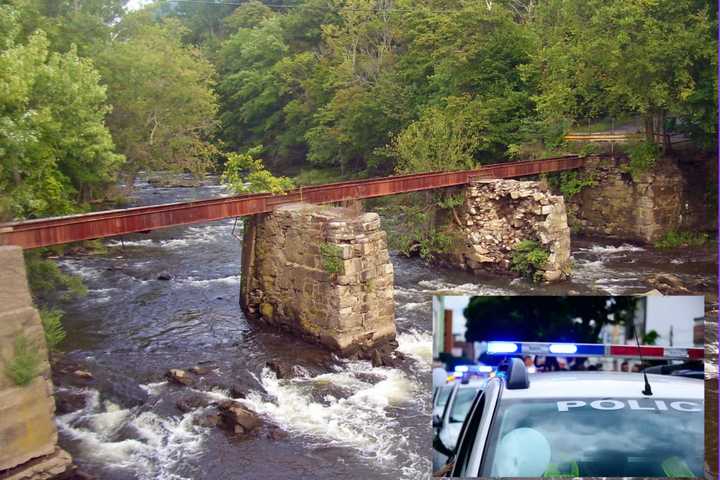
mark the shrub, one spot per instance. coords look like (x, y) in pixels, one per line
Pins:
(331, 258)
(44, 276)
(675, 239)
(642, 158)
(529, 259)
(25, 363)
(571, 183)
(52, 324)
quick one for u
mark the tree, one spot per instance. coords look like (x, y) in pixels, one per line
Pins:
(164, 105)
(252, 92)
(55, 151)
(538, 318)
(645, 57)
(245, 173)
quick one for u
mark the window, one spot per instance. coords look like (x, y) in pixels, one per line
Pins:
(597, 437)
(462, 403)
(442, 396)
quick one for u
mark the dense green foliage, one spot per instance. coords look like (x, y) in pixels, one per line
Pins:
(529, 259)
(45, 277)
(90, 91)
(24, 365)
(245, 173)
(164, 105)
(53, 328)
(55, 150)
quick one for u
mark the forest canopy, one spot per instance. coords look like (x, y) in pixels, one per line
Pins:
(91, 93)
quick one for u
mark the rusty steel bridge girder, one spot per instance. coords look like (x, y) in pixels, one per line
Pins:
(74, 228)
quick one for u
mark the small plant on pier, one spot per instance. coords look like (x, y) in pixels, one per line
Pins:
(331, 258)
(52, 324)
(25, 363)
(529, 259)
(675, 239)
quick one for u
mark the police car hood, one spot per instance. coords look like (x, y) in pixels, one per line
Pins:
(607, 385)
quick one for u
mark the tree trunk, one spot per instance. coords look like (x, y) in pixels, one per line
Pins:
(649, 130)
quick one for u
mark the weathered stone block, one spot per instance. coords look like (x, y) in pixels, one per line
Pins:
(14, 293)
(298, 293)
(500, 213)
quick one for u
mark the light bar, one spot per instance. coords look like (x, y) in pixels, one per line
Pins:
(495, 348)
(596, 350)
(461, 368)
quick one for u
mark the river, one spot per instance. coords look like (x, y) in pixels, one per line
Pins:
(341, 418)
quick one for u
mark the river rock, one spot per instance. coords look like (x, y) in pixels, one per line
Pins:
(190, 403)
(277, 433)
(236, 391)
(200, 370)
(66, 402)
(84, 374)
(238, 419)
(667, 283)
(208, 419)
(164, 276)
(178, 377)
(281, 369)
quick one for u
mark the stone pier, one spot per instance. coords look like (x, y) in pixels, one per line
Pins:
(320, 272)
(499, 214)
(28, 437)
(671, 196)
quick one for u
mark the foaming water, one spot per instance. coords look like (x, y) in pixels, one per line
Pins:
(418, 345)
(356, 408)
(134, 440)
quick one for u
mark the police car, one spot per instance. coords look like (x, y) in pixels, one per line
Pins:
(447, 426)
(583, 424)
(440, 398)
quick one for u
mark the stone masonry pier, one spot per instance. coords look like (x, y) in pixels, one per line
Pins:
(498, 214)
(321, 272)
(28, 437)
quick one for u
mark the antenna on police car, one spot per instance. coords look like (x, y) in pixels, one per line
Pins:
(648, 390)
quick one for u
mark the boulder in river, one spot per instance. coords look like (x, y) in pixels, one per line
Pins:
(66, 402)
(165, 276)
(668, 284)
(191, 402)
(281, 369)
(84, 374)
(236, 391)
(200, 370)
(277, 433)
(238, 419)
(178, 377)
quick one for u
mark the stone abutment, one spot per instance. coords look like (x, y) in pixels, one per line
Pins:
(28, 436)
(321, 272)
(497, 215)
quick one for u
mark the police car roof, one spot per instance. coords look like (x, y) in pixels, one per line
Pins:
(607, 385)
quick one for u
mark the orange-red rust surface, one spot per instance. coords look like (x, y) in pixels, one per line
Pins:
(58, 230)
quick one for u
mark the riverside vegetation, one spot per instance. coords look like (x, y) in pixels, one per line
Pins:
(350, 88)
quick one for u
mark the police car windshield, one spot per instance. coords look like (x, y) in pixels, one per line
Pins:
(442, 395)
(462, 403)
(597, 438)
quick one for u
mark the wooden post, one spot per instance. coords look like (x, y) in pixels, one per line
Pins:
(448, 340)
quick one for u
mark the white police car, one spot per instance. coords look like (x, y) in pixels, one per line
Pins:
(440, 398)
(448, 425)
(583, 424)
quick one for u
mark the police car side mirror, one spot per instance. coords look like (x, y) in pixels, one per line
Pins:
(437, 421)
(440, 447)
